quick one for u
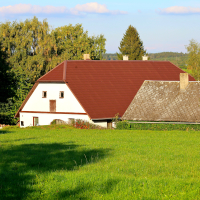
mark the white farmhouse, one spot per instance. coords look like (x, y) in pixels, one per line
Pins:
(90, 90)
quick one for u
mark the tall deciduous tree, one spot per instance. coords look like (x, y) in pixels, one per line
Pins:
(28, 46)
(193, 61)
(131, 45)
(72, 42)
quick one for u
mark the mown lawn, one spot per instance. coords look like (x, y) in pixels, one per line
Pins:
(67, 163)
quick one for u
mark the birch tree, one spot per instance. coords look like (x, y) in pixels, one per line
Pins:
(193, 61)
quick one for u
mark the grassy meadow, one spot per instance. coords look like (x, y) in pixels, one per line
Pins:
(59, 162)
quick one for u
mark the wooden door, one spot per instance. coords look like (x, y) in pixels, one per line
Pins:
(35, 121)
(52, 105)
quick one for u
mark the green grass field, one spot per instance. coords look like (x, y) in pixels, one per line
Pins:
(65, 163)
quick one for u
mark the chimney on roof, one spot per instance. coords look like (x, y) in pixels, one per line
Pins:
(183, 80)
(145, 57)
(125, 57)
(86, 56)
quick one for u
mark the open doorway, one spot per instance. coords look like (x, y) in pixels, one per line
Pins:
(35, 121)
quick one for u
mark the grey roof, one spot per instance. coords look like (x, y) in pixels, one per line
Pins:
(163, 101)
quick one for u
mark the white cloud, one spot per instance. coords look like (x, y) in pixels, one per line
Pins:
(32, 9)
(92, 7)
(179, 10)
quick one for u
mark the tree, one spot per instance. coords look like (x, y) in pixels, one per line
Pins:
(7, 90)
(131, 45)
(72, 42)
(7, 81)
(193, 61)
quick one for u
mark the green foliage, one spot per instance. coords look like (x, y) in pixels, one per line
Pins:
(7, 112)
(131, 45)
(72, 42)
(193, 61)
(58, 162)
(157, 127)
(31, 48)
(7, 80)
(120, 124)
(110, 56)
(123, 125)
(53, 122)
(81, 124)
(178, 59)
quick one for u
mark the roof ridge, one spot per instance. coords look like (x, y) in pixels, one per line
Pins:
(118, 61)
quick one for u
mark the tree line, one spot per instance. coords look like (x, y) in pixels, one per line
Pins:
(31, 48)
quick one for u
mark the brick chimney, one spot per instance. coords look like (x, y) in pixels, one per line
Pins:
(184, 79)
(86, 56)
(125, 57)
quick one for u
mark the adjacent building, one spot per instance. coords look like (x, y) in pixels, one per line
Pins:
(175, 101)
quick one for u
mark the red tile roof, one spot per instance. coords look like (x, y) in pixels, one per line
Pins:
(105, 88)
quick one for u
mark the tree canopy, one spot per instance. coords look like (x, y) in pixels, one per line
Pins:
(131, 45)
(193, 61)
(7, 81)
(31, 48)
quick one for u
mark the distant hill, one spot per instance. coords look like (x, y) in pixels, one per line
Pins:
(110, 56)
(179, 59)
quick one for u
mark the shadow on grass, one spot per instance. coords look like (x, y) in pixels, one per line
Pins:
(19, 164)
(79, 192)
(4, 131)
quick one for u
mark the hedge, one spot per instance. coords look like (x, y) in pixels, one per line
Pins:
(125, 125)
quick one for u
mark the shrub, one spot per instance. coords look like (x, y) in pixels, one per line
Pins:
(123, 125)
(81, 124)
(53, 122)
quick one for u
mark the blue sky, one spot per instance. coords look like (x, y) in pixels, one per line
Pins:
(162, 25)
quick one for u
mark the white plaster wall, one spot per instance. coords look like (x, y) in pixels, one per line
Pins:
(47, 118)
(67, 104)
(99, 123)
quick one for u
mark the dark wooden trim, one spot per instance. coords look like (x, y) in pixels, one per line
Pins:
(26, 99)
(109, 124)
(71, 113)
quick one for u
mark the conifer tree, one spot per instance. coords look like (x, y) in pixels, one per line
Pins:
(131, 45)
